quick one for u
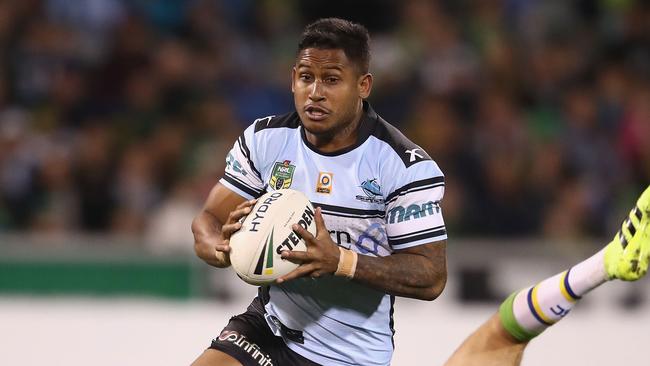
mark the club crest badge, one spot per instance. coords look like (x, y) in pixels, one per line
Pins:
(372, 191)
(282, 175)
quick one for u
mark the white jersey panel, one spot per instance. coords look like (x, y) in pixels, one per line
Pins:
(242, 175)
(376, 197)
(413, 212)
(353, 325)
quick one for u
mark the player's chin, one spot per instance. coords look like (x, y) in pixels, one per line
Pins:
(318, 127)
(318, 130)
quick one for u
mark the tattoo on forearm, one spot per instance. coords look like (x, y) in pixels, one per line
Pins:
(403, 274)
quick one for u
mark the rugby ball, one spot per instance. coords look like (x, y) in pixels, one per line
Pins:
(266, 232)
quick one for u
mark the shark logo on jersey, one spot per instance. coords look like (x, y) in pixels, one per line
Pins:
(372, 189)
(282, 175)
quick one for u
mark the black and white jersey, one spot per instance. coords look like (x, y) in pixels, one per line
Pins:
(378, 196)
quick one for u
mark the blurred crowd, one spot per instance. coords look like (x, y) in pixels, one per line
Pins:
(116, 115)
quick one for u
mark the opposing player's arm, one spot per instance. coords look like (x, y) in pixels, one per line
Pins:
(214, 224)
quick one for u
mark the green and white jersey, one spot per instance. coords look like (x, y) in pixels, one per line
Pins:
(378, 196)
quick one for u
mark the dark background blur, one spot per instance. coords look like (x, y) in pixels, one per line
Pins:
(116, 116)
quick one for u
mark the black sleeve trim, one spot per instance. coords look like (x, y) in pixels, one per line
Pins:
(423, 184)
(247, 153)
(241, 185)
(348, 212)
(432, 234)
(397, 237)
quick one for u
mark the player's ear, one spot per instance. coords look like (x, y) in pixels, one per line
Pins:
(365, 85)
(293, 79)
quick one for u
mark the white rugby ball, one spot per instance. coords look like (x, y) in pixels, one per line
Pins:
(266, 232)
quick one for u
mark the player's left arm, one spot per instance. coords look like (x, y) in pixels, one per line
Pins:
(419, 272)
(415, 229)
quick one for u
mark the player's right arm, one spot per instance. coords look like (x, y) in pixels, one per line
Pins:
(228, 201)
(216, 222)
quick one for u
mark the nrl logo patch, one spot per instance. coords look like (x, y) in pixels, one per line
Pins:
(372, 190)
(282, 175)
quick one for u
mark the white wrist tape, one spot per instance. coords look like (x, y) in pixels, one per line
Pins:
(347, 263)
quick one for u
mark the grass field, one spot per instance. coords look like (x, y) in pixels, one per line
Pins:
(109, 332)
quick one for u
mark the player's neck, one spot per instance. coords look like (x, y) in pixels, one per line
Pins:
(339, 139)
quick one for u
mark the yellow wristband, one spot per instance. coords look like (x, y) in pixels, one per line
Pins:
(347, 263)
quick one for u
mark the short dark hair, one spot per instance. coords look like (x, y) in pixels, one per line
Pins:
(336, 33)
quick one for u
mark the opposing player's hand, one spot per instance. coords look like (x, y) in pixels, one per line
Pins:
(321, 257)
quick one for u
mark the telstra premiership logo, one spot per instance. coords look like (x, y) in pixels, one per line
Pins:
(265, 261)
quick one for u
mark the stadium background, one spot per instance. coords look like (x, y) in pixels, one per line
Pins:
(115, 118)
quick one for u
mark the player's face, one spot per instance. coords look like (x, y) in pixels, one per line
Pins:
(328, 90)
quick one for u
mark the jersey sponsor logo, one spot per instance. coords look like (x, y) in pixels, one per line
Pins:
(341, 237)
(414, 155)
(372, 189)
(400, 213)
(371, 240)
(234, 164)
(324, 183)
(282, 175)
(249, 347)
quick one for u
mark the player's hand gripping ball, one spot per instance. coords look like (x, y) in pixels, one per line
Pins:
(255, 249)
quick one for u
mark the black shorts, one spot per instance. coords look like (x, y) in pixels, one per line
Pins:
(248, 338)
